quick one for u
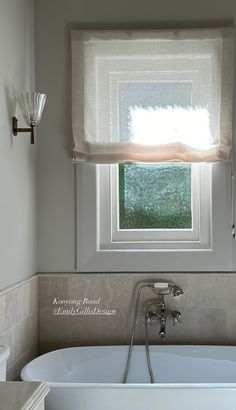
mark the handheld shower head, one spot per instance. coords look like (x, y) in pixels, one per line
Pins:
(159, 286)
(165, 288)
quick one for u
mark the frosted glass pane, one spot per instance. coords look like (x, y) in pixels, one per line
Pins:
(155, 196)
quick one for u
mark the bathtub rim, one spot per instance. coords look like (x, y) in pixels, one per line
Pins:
(217, 386)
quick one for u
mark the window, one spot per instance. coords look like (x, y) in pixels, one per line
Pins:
(154, 191)
(100, 249)
(150, 99)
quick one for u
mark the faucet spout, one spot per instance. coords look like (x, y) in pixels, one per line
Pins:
(162, 332)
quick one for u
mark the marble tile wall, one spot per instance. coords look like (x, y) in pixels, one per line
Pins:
(208, 308)
(19, 324)
(51, 311)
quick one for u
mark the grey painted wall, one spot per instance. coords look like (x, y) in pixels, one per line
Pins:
(17, 156)
(53, 20)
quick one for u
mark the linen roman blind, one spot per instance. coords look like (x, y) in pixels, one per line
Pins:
(152, 96)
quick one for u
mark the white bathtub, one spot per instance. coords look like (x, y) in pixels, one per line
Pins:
(90, 378)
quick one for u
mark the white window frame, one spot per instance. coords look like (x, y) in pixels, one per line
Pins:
(93, 256)
(115, 238)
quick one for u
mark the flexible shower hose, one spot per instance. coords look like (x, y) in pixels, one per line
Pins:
(132, 339)
(148, 352)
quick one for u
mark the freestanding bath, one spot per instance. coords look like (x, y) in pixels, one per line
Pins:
(90, 378)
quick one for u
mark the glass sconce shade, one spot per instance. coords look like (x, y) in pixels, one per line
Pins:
(31, 106)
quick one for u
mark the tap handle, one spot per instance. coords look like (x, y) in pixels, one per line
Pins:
(177, 318)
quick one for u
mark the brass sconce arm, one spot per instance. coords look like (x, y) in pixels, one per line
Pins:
(15, 129)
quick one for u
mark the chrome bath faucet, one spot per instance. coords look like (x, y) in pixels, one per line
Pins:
(157, 311)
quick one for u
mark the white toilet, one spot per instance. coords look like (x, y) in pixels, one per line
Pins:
(4, 354)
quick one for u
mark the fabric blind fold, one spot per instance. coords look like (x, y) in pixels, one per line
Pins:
(152, 96)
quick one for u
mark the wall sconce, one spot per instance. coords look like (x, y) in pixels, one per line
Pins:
(31, 106)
